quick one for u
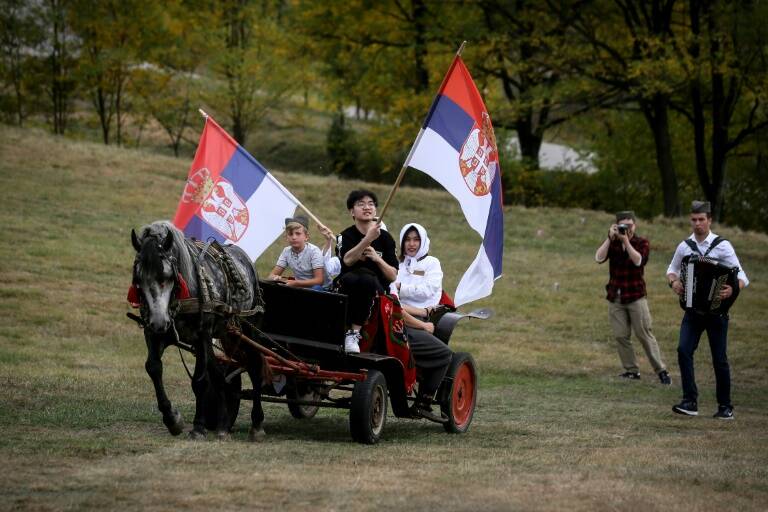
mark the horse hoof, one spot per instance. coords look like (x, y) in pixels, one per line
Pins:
(223, 435)
(256, 436)
(175, 424)
(195, 435)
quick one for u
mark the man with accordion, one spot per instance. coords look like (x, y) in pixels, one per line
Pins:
(707, 276)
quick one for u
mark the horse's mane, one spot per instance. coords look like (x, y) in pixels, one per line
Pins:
(159, 230)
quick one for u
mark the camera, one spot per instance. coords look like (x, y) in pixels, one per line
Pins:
(623, 228)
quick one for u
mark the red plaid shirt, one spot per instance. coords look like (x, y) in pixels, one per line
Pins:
(626, 281)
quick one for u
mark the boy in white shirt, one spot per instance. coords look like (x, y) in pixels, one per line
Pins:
(304, 259)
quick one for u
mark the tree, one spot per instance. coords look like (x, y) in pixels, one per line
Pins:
(18, 35)
(250, 57)
(728, 69)
(521, 44)
(169, 85)
(114, 35)
(60, 63)
(629, 46)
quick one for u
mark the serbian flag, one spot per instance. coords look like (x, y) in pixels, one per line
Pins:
(231, 197)
(456, 146)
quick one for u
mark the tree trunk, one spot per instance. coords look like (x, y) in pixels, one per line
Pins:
(656, 112)
(101, 107)
(721, 120)
(419, 10)
(118, 109)
(530, 141)
(697, 103)
(238, 130)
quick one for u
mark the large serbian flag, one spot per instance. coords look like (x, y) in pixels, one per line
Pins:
(231, 197)
(457, 148)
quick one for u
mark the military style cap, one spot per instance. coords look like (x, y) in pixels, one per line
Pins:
(300, 219)
(628, 214)
(700, 207)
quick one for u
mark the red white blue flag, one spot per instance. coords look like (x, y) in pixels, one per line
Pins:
(231, 197)
(456, 146)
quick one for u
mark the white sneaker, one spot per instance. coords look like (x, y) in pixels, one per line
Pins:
(352, 342)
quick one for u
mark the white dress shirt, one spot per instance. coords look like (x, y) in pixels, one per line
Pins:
(722, 251)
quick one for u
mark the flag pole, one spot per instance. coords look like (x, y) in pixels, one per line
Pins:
(415, 144)
(269, 174)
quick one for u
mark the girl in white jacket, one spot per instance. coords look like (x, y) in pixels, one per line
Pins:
(420, 285)
(420, 276)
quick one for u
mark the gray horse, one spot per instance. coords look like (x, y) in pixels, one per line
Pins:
(187, 299)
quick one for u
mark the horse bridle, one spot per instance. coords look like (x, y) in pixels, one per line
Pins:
(174, 304)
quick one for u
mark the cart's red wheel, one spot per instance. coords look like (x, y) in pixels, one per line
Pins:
(459, 404)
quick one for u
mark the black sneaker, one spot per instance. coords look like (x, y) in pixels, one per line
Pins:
(630, 375)
(724, 412)
(687, 407)
(664, 378)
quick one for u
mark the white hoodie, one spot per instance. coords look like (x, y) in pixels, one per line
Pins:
(420, 276)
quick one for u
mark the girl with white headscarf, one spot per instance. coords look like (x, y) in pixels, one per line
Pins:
(420, 286)
(419, 277)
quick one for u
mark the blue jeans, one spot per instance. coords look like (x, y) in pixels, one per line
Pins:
(691, 329)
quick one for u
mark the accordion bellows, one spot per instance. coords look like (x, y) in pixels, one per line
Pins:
(703, 278)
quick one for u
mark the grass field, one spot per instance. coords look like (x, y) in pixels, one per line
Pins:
(555, 429)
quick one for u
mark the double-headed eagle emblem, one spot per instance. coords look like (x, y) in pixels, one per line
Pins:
(479, 158)
(220, 206)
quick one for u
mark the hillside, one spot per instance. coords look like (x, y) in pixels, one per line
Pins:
(77, 413)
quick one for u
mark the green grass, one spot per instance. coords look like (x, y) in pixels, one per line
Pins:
(554, 428)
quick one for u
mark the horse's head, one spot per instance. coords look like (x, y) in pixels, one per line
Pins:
(156, 275)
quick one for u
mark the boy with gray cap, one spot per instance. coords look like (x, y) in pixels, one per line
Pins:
(303, 258)
(705, 243)
(628, 310)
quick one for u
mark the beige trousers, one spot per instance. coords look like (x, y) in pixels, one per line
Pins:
(636, 317)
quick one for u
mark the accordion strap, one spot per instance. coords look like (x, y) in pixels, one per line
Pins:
(695, 248)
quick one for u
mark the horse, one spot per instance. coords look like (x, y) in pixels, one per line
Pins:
(188, 296)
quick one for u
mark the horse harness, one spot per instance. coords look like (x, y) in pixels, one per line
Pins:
(235, 287)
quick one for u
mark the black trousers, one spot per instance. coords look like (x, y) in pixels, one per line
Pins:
(361, 288)
(691, 329)
(432, 358)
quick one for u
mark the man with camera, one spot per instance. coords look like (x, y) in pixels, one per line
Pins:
(628, 311)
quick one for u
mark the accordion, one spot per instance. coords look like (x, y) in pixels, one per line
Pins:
(702, 279)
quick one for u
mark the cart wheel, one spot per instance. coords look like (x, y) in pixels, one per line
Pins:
(368, 410)
(459, 404)
(303, 412)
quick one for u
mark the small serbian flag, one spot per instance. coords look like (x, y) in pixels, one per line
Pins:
(231, 197)
(456, 146)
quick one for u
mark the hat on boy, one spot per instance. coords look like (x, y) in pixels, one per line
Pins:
(300, 219)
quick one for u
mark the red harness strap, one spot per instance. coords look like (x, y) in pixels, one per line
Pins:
(134, 297)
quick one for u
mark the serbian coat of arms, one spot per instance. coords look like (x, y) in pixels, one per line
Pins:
(479, 158)
(220, 206)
